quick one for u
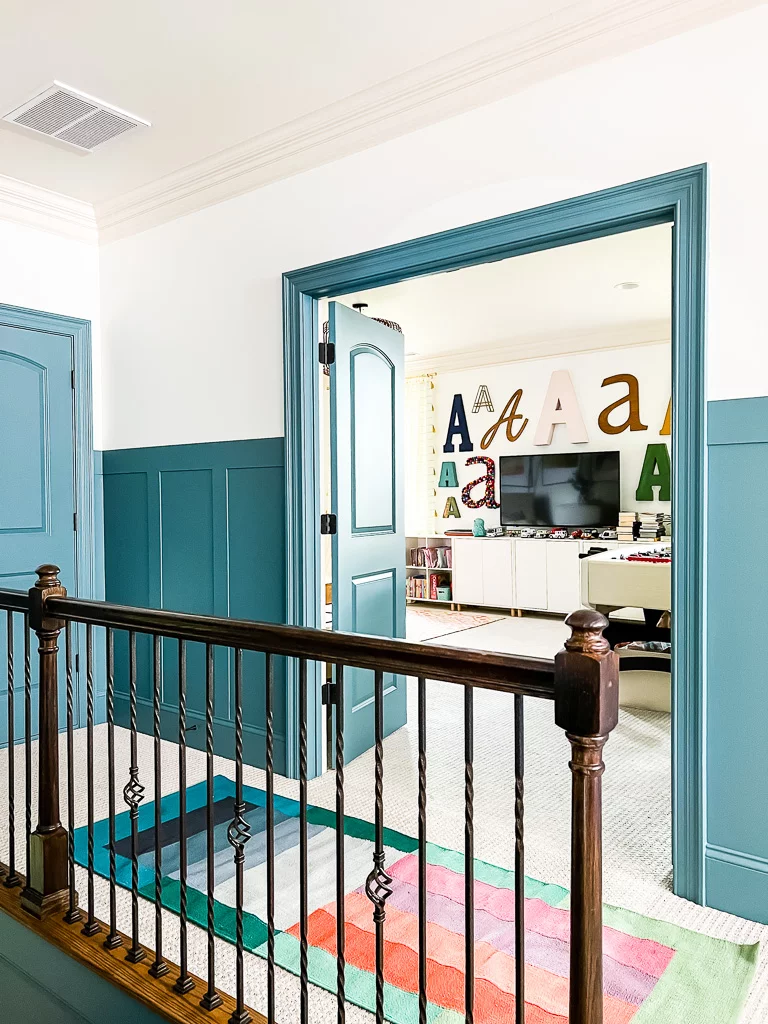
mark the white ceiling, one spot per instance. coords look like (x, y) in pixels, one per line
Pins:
(544, 303)
(241, 92)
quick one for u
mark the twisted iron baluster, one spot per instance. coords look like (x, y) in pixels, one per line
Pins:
(211, 999)
(270, 763)
(238, 834)
(73, 914)
(378, 885)
(27, 739)
(91, 926)
(340, 930)
(519, 866)
(303, 881)
(133, 794)
(422, 716)
(159, 967)
(183, 983)
(12, 878)
(113, 940)
(469, 858)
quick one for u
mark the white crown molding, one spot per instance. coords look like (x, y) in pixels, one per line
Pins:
(651, 332)
(473, 76)
(21, 203)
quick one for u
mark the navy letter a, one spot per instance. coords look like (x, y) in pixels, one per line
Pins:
(458, 425)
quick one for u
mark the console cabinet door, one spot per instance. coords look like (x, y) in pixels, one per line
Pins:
(563, 579)
(531, 574)
(498, 578)
(467, 571)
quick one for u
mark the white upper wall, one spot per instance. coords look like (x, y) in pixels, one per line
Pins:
(192, 309)
(48, 272)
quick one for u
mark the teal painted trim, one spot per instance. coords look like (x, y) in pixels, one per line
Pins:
(40, 983)
(678, 197)
(737, 883)
(199, 528)
(738, 421)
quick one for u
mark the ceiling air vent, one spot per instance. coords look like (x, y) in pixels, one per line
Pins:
(73, 117)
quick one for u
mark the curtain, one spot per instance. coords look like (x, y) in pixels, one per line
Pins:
(420, 456)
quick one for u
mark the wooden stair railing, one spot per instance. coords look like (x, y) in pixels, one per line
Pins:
(582, 682)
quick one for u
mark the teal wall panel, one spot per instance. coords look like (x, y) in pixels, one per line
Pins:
(40, 984)
(199, 528)
(736, 853)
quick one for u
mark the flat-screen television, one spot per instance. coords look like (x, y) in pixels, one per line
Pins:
(572, 489)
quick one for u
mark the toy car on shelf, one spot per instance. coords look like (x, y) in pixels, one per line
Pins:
(558, 534)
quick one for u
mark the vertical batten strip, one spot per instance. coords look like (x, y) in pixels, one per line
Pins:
(340, 929)
(113, 940)
(133, 795)
(91, 926)
(12, 878)
(159, 967)
(27, 743)
(422, 719)
(211, 999)
(303, 881)
(73, 914)
(519, 863)
(469, 856)
(270, 763)
(183, 983)
(238, 834)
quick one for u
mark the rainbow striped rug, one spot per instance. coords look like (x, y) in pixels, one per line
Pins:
(654, 973)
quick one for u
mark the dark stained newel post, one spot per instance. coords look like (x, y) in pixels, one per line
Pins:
(587, 707)
(47, 890)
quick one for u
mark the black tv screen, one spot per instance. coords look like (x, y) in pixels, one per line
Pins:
(572, 489)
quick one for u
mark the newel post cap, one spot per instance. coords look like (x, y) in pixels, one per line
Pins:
(587, 677)
(48, 585)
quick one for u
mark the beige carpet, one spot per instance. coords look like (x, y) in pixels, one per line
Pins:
(636, 811)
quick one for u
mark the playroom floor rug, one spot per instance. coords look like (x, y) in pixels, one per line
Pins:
(654, 973)
(429, 623)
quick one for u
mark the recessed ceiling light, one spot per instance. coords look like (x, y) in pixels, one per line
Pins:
(627, 286)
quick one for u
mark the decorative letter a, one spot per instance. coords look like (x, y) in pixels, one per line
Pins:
(458, 425)
(561, 406)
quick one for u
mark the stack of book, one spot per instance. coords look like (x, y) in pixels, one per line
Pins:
(648, 525)
(663, 524)
(626, 522)
(416, 587)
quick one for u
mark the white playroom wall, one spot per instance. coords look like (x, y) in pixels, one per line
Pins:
(650, 364)
(192, 308)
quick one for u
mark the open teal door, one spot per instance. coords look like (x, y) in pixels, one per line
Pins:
(367, 497)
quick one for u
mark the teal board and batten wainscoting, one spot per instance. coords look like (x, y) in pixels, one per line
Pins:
(199, 528)
(736, 853)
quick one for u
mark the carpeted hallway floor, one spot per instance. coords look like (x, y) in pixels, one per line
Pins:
(636, 811)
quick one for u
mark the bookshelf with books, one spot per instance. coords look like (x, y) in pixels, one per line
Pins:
(428, 570)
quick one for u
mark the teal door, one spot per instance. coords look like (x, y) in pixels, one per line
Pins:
(367, 496)
(36, 482)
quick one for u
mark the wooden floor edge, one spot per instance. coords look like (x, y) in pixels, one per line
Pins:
(110, 964)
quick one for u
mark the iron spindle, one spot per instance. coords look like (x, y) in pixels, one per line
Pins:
(469, 856)
(519, 865)
(73, 914)
(238, 834)
(378, 885)
(113, 940)
(340, 930)
(159, 967)
(422, 719)
(183, 983)
(270, 762)
(12, 878)
(303, 895)
(91, 926)
(211, 999)
(133, 794)
(27, 742)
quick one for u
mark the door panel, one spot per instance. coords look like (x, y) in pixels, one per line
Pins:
(367, 495)
(467, 571)
(498, 588)
(531, 574)
(36, 483)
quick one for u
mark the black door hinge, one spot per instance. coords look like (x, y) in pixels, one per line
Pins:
(77, 663)
(328, 523)
(328, 694)
(72, 379)
(327, 353)
(74, 521)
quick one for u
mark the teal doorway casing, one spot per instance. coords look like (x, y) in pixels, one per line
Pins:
(679, 198)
